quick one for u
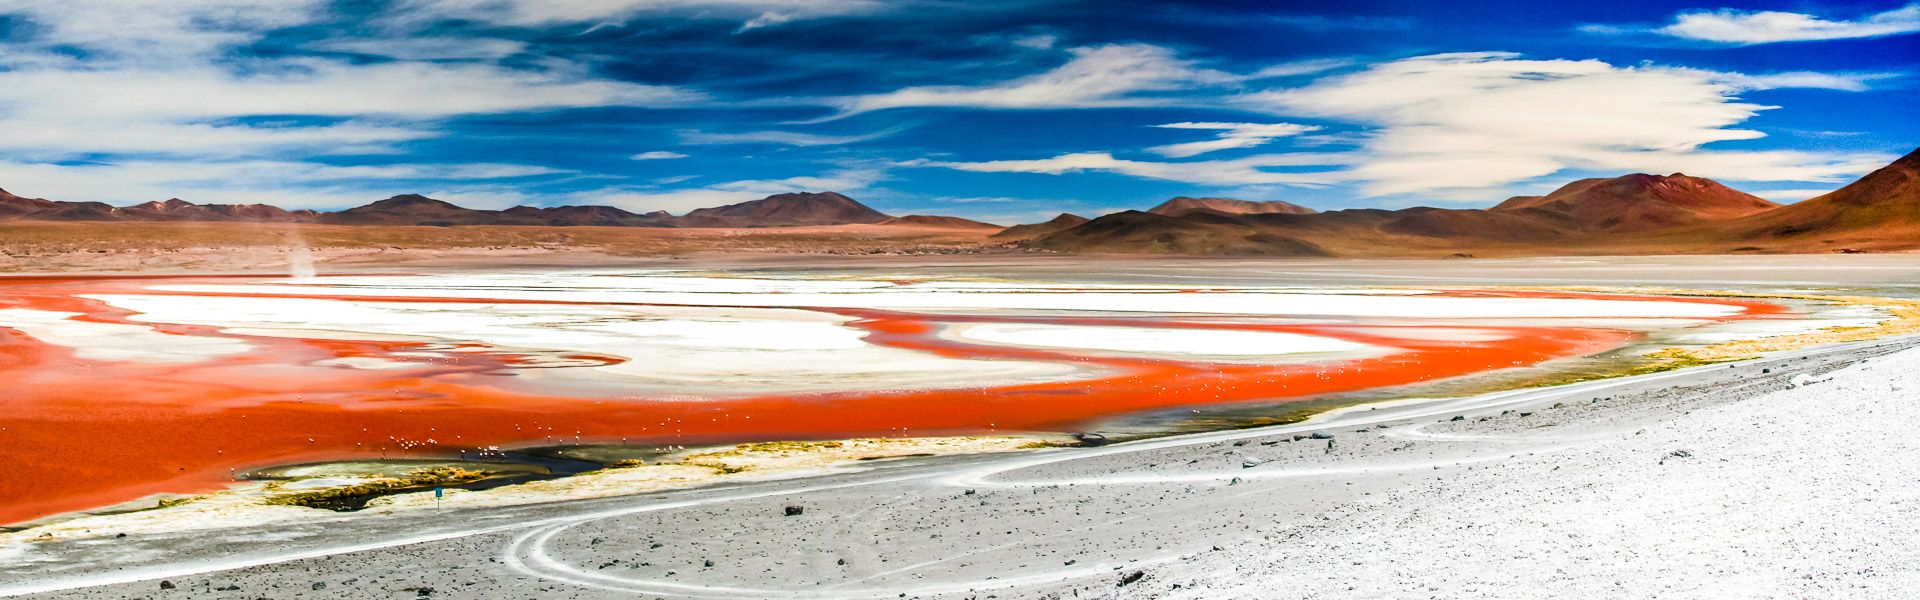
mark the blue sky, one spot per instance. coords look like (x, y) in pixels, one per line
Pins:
(1008, 111)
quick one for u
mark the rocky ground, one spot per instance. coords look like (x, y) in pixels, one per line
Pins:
(1785, 477)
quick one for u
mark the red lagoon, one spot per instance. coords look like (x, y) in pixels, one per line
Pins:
(78, 433)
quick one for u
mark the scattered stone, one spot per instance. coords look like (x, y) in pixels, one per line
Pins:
(1458, 418)
(424, 592)
(795, 511)
(841, 562)
(1248, 462)
(1321, 435)
(1091, 439)
(1236, 481)
(709, 564)
(1680, 454)
(319, 585)
(1131, 578)
(166, 585)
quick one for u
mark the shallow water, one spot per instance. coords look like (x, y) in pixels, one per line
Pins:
(327, 371)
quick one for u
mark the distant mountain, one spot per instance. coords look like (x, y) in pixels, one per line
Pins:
(1883, 206)
(939, 222)
(12, 206)
(180, 210)
(780, 210)
(785, 210)
(601, 216)
(1196, 232)
(1640, 202)
(1630, 214)
(15, 207)
(408, 209)
(1182, 205)
(1034, 230)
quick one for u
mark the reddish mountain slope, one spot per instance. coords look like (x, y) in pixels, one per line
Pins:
(1183, 205)
(1033, 230)
(938, 222)
(785, 210)
(1640, 202)
(1884, 202)
(181, 210)
(1197, 232)
(12, 206)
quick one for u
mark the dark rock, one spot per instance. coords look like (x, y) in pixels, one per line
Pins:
(709, 564)
(795, 511)
(319, 585)
(1091, 439)
(1321, 435)
(1131, 578)
(1458, 418)
(166, 585)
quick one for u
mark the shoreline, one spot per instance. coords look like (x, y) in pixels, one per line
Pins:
(262, 503)
(989, 474)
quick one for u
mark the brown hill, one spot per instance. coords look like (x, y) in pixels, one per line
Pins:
(1182, 205)
(1632, 214)
(785, 210)
(1640, 202)
(1034, 230)
(573, 216)
(407, 209)
(938, 222)
(12, 206)
(180, 210)
(1882, 207)
(1197, 232)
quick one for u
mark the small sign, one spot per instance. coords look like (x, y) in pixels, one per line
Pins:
(438, 492)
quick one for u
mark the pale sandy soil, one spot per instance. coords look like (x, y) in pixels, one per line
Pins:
(1807, 492)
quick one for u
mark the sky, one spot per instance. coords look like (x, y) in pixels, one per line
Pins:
(1009, 111)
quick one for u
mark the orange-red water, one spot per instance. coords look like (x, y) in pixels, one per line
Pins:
(76, 434)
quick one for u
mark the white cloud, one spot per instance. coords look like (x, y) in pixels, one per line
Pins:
(850, 181)
(657, 155)
(525, 13)
(51, 111)
(425, 48)
(287, 184)
(785, 138)
(1232, 135)
(157, 30)
(159, 77)
(1732, 26)
(1099, 76)
(1459, 124)
(1251, 170)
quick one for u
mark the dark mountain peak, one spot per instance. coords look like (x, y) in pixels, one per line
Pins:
(408, 202)
(1182, 205)
(1640, 201)
(937, 221)
(786, 210)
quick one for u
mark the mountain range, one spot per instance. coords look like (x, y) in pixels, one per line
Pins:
(1631, 214)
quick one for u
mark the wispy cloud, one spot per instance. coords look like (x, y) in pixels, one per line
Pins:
(1098, 76)
(784, 138)
(847, 180)
(1232, 135)
(657, 155)
(752, 14)
(1735, 26)
(1477, 121)
(1252, 170)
